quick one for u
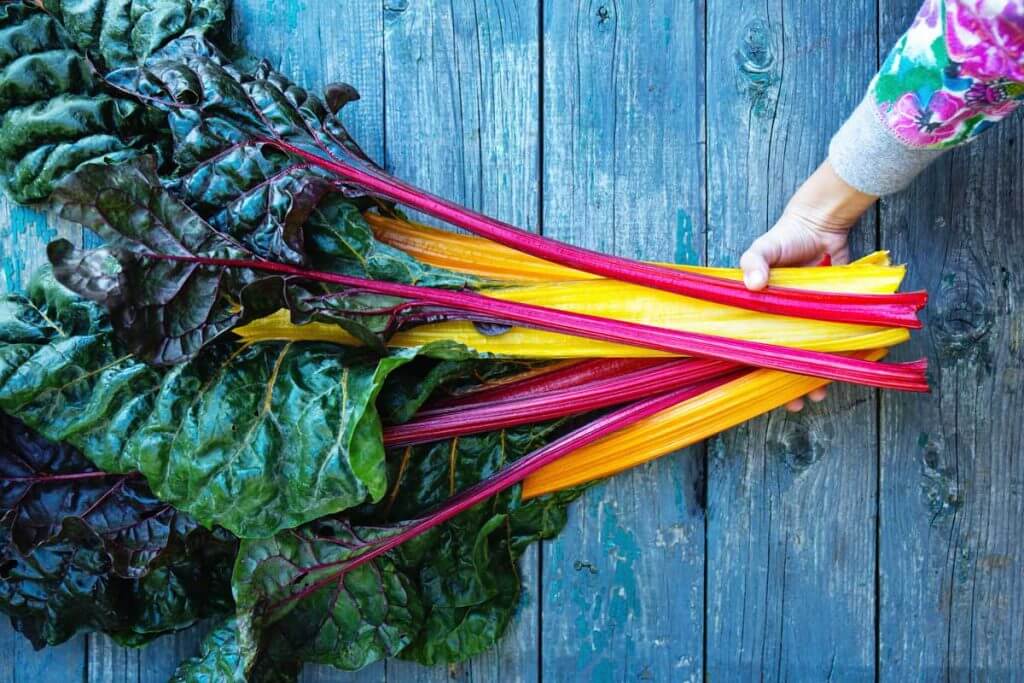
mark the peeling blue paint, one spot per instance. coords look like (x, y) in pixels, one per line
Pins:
(685, 252)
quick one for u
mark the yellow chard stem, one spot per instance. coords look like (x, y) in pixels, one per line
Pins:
(480, 257)
(608, 299)
(677, 427)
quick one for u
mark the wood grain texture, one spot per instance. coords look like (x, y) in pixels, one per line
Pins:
(19, 663)
(952, 476)
(157, 661)
(462, 121)
(791, 498)
(623, 165)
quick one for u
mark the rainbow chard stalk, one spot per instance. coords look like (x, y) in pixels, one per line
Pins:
(884, 310)
(546, 405)
(173, 284)
(221, 115)
(543, 380)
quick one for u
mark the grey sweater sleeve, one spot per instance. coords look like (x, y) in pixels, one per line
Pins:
(870, 158)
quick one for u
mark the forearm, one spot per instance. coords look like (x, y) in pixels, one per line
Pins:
(867, 156)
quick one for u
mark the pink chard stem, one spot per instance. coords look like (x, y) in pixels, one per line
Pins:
(502, 414)
(548, 379)
(885, 310)
(903, 376)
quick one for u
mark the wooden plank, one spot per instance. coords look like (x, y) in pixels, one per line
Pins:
(462, 121)
(157, 661)
(952, 479)
(19, 663)
(791, 499)
(623, 173)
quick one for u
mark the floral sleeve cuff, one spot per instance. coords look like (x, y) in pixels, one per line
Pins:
(955, 72)
(959, 69)
(870, 158)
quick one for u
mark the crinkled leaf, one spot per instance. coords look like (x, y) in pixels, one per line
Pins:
(467, 569)
(81, 550)
(55, 113)
(255, 195)
(43, 484)
(339, 239)
(214, 106)
(267, 437)
(165, 311)
(450, 593)
(255, 439)
(302, 607)
(125, 32)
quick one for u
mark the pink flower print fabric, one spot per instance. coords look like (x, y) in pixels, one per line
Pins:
(959, 69)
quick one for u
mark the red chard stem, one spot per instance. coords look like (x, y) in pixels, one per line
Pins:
(884, 310)
(902, 376)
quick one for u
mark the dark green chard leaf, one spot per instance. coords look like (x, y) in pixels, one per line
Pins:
(301, 609)
(467, 569)
(444, 596)
(409, 387)
(125, 32)
(82, 550)
(56, 114)
(339, 239)
(252, 438)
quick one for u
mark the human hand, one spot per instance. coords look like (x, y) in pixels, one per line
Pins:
(815, 223)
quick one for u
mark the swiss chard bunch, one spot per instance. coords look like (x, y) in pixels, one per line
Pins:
(270, 398)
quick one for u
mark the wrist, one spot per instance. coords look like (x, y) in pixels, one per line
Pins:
(829, 201)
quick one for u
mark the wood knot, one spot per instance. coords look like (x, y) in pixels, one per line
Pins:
(964, 315)
(603, 14)
(756, 66)
(794, 442)
(939, 487)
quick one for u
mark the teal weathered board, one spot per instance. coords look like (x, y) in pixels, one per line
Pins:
(951, 534)
(791, 498)
(623, 587)
(871, 537)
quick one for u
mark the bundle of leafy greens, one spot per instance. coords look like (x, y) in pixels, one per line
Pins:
(270, 399)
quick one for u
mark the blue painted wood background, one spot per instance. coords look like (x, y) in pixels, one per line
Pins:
(871, 537)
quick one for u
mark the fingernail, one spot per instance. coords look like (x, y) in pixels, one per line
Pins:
(754, 279)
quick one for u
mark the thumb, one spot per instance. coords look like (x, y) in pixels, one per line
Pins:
(758, 259)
